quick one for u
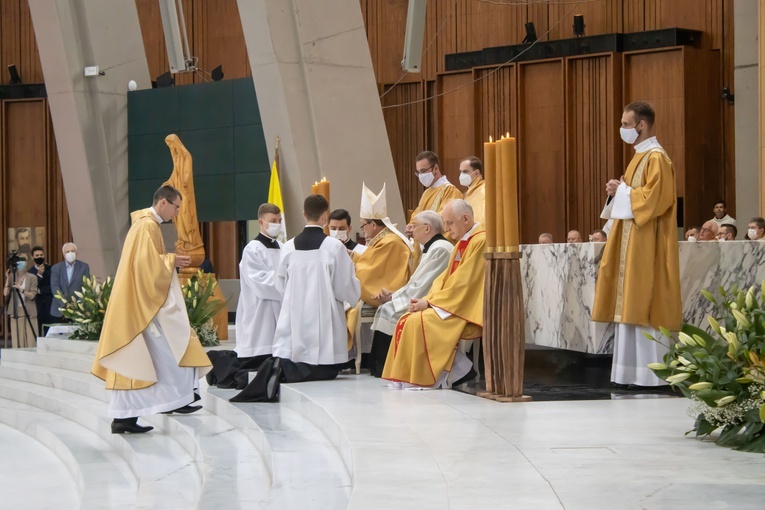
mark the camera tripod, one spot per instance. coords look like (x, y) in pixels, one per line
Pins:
(14, 315)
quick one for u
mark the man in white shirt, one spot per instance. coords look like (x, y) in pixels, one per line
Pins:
(721, 214)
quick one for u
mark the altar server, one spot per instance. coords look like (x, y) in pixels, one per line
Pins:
(148, 354)
(638, 285)
(259, 300)
(424, 349)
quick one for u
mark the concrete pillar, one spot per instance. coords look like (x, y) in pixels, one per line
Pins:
(90, 114)
(746, 109)
(760, 61)
(316, 91)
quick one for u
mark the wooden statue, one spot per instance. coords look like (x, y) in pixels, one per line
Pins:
(189, 237)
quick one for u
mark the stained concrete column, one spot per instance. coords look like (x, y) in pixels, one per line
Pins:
(90, 114)
(745, 71)
(316, 90)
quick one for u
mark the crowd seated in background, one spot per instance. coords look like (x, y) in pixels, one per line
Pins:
(756, 229)
(598, 236)
(709, 231)
(728, 232)
(574, 236)
(721, 216)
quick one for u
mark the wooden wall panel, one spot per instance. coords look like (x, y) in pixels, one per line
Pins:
(496, 104)
(407, 140)
(592, 142)
(17, 42)
(541, 138)
(219, 39)
(666, 95)
(456, 122)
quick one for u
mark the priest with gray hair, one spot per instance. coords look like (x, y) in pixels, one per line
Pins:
(427, 231)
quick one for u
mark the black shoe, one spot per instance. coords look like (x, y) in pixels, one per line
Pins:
(187, 409)
(466, 378)
(120, 426)
(197, 398)
(272, 386)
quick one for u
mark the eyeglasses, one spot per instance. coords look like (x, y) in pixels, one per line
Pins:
(177, 207)
(365, 224)
(424, 170)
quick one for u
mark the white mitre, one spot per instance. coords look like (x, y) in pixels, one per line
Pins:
(375, 207)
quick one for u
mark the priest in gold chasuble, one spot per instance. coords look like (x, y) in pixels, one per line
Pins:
(471, 176)
(148, 354)
(638, 284)
(424, 350)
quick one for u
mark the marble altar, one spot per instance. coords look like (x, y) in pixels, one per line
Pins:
(559, 288)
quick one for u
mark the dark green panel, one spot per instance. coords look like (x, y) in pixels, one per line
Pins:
(148, 157)
(250, 153)
(246, 111)
(251, 191)
(141, 193)
(206, 105)
(212, 150)
(153, 111)
(215, 197)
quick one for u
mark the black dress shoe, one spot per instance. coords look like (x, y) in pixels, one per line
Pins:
(187, 409)
(197, 398)
(122, 425)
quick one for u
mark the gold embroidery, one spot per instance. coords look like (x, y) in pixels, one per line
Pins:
(637, 181)
(439, 196)
(384, 232)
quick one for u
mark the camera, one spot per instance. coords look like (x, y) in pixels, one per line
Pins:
(13, 258)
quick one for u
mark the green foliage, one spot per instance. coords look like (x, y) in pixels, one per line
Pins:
(723, 372)
(87, 308)
(202, 307)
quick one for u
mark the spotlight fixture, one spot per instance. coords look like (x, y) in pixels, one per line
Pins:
(165, 80)
(15, 78)
(579, 25)
(531, 34)
(217, 73)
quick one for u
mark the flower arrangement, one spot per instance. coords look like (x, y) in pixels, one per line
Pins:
(723, 372)
(87, 308)
(202, 307)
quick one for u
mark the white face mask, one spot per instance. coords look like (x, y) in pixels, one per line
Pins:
(721, 239)
(70, 257)
(752, 233)
(691, 239)
(273, 229)
(426, 179)
(340, 235)
(629, 135)
(465, 179)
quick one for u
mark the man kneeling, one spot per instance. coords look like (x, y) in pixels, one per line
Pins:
(316, 276)
(424, 350)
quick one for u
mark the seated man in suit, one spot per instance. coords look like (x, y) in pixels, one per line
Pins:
(66, 277)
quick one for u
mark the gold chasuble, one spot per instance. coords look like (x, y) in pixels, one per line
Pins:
(639, 278)
(145, 283)
(384, 264)
(476, 197)
(423, 344)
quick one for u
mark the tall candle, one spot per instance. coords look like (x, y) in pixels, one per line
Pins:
(489, 171)
(509, 150)
(499, 177)
(315, 188)
(323, 188)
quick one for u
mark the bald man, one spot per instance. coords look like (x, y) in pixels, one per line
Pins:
(574, 236)
(709, 231)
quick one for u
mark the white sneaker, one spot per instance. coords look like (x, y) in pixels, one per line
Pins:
(395, 385)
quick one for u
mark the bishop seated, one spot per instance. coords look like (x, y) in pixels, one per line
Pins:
(423, 353)
(427, 231)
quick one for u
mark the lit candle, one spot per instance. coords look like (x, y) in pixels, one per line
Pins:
(499, 209)
(315, 188)
(489, 170)
(509, 150)
(322, 188)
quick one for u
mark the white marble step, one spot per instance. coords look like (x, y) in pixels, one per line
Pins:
(98, 472)
(231, 450)
(22, 461)
(66, 345)
(308, 471)
(66, 360)
(167, 462)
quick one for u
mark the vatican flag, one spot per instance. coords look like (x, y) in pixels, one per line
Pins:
(275, 196)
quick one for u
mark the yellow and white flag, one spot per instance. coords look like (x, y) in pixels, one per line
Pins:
(275, 196)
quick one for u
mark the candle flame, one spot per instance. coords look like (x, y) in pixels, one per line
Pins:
(323, 179)
(508, 134)
(490, 139)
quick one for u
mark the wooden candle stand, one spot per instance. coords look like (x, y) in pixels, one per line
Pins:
(504, 342)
